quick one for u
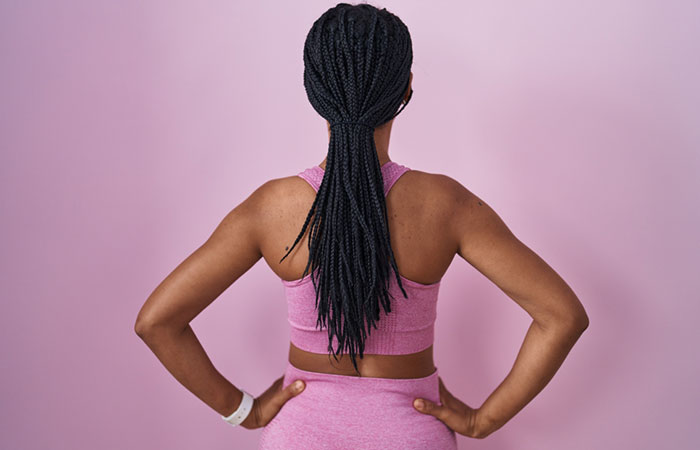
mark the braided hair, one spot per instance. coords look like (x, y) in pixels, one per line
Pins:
(357, 64)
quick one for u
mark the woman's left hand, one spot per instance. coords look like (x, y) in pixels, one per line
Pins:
(268, 404)
(453, 412)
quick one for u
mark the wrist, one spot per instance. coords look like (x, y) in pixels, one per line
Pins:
(231, 402)
(242, 412)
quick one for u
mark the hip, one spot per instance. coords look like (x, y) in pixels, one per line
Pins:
(349, 412)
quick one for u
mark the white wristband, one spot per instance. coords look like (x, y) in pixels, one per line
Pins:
(243, 410)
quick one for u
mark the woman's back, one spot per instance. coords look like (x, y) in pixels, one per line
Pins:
(398, 366)
(418, 209)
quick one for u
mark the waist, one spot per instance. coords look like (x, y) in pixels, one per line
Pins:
(413, 365)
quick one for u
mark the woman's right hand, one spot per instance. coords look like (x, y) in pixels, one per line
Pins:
(270, 402)
(454, 413)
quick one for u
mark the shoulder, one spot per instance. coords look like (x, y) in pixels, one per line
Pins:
(441, 191)
(276, 198)
(277, 188)
(459, 211)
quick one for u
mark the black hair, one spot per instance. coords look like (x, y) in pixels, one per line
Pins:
(357, 64)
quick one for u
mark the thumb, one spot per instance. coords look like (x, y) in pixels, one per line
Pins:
(292, 390)
(427, 407)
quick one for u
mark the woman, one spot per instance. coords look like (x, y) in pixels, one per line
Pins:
(362, 274)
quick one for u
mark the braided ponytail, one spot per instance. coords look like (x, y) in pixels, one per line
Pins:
(357, 64)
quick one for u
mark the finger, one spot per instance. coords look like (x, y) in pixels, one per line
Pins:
(274, 387)
(427, 407)
(444, 413)
(290, 391)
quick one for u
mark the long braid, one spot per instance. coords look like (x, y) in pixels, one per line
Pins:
(357, 63)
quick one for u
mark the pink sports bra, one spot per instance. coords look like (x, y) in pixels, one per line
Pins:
(408, 328)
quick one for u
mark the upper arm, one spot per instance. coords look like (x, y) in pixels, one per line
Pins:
(228, 253)
(484, 241)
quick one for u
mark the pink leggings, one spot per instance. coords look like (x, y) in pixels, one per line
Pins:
(349, 412)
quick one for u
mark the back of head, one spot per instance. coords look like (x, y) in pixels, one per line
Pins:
(357, 65)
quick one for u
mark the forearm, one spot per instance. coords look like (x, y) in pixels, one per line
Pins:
(184, 357)
(540, 356)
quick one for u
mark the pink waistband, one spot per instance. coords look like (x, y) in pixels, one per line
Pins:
(425, 385)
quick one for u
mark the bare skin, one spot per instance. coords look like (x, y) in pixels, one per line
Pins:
(432, 218)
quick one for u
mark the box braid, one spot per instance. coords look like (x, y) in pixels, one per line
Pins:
(357, 64)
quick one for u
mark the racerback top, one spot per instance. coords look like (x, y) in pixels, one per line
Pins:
(408, 328)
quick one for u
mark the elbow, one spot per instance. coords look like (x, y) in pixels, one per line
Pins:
(141, 327)
(578, 323)
(149, 327)
(584, 322)
(145, 325)
(570, 324)
(575, 320)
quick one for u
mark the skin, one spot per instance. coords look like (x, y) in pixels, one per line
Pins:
(432, 218)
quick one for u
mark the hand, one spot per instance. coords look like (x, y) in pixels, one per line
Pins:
(268, 404)
(454, 413)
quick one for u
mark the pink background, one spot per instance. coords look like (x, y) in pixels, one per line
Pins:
(129, 129)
